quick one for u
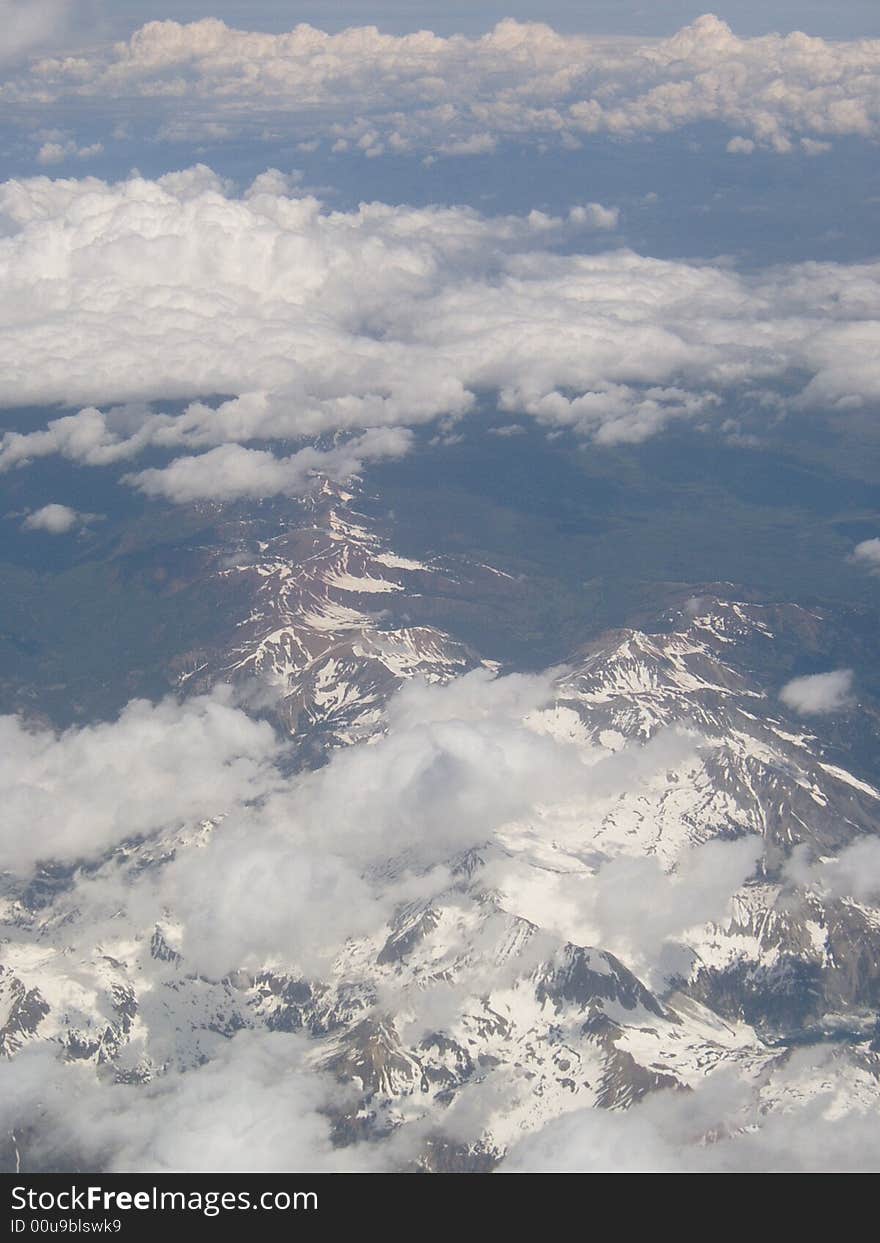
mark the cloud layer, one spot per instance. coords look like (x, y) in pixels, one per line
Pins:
(854, 873)
(372, 92)
(609, 906)
(231, 471)
(331, 854)
(301, 863)
(28, 24)
(294, 865)
(317, 323)
(255, 1107)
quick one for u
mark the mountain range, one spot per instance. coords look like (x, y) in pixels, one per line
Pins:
(476, 1013)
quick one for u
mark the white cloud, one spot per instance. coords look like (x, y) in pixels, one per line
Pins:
(318, 322)
(56, 152)
(854, 873)
(55, 519)
(867, 554)
(300, 865)
(812, 146)
(819, 692)
(457, 761)
(314, 867)
(73, 795)
(255, 1107)
(29, 24)
(595, 216)
(230, 471)
(374, 92)
(608, 906)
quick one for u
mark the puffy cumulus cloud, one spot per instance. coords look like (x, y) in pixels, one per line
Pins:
(231, 471)
(819, 692)
(725, 1126)
(57, 150)
(867, 554)
(73, 795)
(53, 518)
(371, 92)
(318, 322)
(172, 288)
(255, 1107)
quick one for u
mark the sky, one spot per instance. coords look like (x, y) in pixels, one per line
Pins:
(79, 23)
(850, 19)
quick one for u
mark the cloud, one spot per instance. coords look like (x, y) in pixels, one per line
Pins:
(314, 322)
(607, 905)
(57, 151)
(298, 865)
(312, 318)
(256, 1106)
(73, 795)
(230, 471)
(335, 854)
(53, 518)
(293, 866)
(290, 880)
(28, 24)
(867, 554)
(370, 92)
(854, 873)
(740, 146)
(819, 692)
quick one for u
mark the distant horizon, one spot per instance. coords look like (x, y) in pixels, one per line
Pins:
(93, 22)
(848, 19)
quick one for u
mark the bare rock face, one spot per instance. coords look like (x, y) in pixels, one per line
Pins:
(24, 1010)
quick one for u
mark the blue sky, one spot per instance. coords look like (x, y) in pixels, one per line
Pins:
(849, 19)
